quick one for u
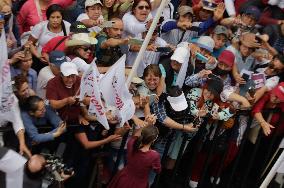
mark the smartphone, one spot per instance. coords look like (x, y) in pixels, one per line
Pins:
(201, 57)
(164, 49)
(215, 109)
(245, 77)
(107, 24)
(135, 41)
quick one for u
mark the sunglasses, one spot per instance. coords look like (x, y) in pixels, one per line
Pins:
(272, 66)
(86, 48)
(143, 7)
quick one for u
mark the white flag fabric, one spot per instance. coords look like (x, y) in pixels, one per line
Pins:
(9, 108)
(115, 91)
(182, 71)
(90, 87)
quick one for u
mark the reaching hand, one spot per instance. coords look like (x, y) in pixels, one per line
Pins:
(266, 128)
(218, 13)
(114, 137)
(189, 128)
(23, 149)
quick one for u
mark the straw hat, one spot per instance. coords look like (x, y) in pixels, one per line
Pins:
(81, 39)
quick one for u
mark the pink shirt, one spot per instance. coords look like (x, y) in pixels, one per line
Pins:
(28, 15)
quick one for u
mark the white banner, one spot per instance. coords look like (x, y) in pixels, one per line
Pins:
(90, 87)
(9, 109)
(115, 92)
(182, 72)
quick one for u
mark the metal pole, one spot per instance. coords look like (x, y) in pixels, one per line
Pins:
(272, 172)
(146, 42)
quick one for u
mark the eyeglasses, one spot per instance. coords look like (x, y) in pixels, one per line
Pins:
(86, 48)
(143, 7)
(272, 66)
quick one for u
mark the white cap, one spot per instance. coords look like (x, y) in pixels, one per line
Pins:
(89, 3)
(178, 103)
(68, 68)
(206, 42)
(181, 55)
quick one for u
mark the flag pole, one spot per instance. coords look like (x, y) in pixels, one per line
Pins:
(146, 42)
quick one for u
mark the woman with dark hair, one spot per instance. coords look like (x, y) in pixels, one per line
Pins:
(44, 31)
(141, 159)
(138, 20)
(22, 89)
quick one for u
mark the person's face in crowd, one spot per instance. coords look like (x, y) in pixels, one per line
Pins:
(85, 51)
(275, 67)
(54, 69)
(108, 3)
(94, 12)
(40, 110)
(69, 81)
(7, 11)
(175, 65)
(152, 81)
(207, 95)
(220, 40)
(185, 18)
(141, 11)
(274, 99)
(205, 14)
(222, 69)
(248, 20)
(26, 64)
(23, 91)
(245, 51)
(55, 19)
(116, 30)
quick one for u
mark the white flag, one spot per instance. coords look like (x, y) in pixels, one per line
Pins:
(115, 92)
(90, 87)
(9, 109)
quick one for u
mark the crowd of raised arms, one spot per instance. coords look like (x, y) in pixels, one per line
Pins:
(206, 61)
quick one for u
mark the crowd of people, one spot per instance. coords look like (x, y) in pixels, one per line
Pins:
(206, 61)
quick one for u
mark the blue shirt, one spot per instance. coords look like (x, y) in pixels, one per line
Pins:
(32, 124)
(32, 76)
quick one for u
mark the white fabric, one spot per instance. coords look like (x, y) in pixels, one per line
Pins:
(81, 65)
(115, 91)
(41, 32)
(45, 74)
(13, 165)
(85, 16)
(133, 27)
(230, 7)
(9, 109)
(279, 3)
(149, 57)
(90, 87)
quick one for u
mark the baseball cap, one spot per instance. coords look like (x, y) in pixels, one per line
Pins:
(215, 86)
(220, 29)
(254, 11)
(279, 91)
(90, 3)
(227, 57)
(81, 39)
(78, 27)
(68, 68)
(181, 55)
(206, 42)
(57, 58)
(183, 10)
(177, 99)
(209, 5)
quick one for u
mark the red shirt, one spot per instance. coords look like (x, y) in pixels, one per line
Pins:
(49, 46)
(56, 90)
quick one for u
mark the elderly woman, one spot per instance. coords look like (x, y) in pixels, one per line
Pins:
(138, 20)
(80, 49)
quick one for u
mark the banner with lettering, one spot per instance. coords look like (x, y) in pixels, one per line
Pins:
(90, 87)
(115, 91)
(9, 109)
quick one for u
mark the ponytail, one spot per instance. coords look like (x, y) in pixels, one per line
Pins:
(148, 135)
(137, 144)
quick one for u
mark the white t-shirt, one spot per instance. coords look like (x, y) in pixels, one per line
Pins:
(42, 33)
(81, 65)
(149, 57)
(85, 16)
(45, 74)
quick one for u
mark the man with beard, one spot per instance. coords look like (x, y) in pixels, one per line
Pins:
(110, 44)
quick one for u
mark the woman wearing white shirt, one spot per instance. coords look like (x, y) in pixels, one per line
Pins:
(138, 20)
(44, 31)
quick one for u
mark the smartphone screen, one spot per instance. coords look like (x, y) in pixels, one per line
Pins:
(201, 57)
(164, 49)
(245, 77)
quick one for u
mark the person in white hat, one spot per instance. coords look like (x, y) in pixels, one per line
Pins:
(171, 69)
(92, 18)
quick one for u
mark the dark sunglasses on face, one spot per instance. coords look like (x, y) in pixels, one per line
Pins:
(272, 66)
(86, 48)
(143, 7)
